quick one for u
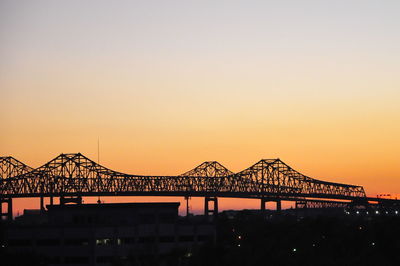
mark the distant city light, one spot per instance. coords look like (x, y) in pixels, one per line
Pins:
(373, 243)
(396, 212)
(377, 212)
(239, 237)
(238, 245)
(188, 255)
(358, 212)
(294, 250)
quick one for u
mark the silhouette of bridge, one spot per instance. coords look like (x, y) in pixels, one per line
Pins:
(73, 176)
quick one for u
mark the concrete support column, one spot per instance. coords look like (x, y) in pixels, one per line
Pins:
(214, 210)
(263, 203)
(265, 200)
(42, 203)
(10, 209)
(187, 198)
(278, 206)
(7, 214)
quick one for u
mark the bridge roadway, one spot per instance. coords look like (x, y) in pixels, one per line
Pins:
(73, 176)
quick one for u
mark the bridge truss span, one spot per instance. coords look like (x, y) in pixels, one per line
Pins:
(75, 174)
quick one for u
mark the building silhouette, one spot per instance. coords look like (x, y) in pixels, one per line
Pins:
(108, 234)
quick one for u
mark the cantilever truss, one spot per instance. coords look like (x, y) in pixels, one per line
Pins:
(10, 167)
(275, 177)
(209, 169)
(75, 174)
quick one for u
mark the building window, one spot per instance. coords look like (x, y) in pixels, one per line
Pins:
(76, 242)
(104, 241)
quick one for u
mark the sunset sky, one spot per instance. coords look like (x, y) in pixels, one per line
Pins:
(166, 85)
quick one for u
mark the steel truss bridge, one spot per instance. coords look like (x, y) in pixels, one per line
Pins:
(73, 176)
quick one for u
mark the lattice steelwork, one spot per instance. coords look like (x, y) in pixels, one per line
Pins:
(275, 177)
(315, 204)
(75, 174)
(209, 169)
(10, 167)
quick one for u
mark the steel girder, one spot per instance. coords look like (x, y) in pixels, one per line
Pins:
(10, 167)
(209, 169)
(75, 174)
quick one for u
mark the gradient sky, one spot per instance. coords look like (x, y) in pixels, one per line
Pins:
(166, 85)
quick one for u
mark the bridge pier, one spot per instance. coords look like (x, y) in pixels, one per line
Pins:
(8, 214)
(278, 206)
(265, 200)
(187, 198)
(42, 203)
(263, 203)
(214, 210)
(65, 200)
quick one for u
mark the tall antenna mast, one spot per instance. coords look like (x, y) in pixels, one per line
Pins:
(98, 161)
(98, 150)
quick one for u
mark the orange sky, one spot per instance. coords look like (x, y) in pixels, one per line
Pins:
(168, 86)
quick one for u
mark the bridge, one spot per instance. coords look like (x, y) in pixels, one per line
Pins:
(73, 176)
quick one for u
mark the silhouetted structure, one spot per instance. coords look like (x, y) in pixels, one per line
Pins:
(246, 238)
(72, 176)
(107, 234)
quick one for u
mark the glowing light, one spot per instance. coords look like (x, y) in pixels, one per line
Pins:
(377, 212)
(188, 255)
(294, 250)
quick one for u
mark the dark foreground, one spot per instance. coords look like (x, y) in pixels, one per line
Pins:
(249, 238)
(344, 240)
